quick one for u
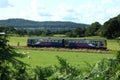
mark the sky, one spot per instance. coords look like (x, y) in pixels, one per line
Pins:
(79, 11)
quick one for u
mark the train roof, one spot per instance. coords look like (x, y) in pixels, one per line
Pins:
(47, 38)
(68, 39)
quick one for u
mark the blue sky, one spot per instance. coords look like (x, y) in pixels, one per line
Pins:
(80, 11)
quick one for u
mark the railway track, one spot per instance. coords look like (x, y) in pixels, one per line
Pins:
(65, 49)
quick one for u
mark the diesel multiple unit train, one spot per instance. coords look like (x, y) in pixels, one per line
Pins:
(67, 43)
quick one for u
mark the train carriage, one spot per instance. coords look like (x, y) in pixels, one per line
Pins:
(45, 42)
(67, 43)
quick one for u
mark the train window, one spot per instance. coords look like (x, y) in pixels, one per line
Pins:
(81, 41)
(77, 41)
(87, 41)
(32, 41)
(56, 40)
(46, 40)
(69, 41)
(101, 43)
(35, 40)
(59, 41)
(73, 41)
(49, 40)
(53, 40)
(41, 40)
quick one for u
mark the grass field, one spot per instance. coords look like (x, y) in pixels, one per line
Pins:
(46, 58)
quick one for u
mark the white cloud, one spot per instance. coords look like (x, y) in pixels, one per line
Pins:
(64, 12)
(87, 11)
(104, 2)
(113, 10)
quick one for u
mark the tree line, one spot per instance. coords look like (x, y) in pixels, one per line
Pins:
(110, 29)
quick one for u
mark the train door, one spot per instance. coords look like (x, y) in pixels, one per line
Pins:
(32, 41)
(105, 44)
(65, 43)
(97, 44)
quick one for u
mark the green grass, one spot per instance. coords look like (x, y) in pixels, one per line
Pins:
(113, 45)
(13, 41)
(46, 58)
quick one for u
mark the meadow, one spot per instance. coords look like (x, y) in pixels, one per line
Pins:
(48, 57)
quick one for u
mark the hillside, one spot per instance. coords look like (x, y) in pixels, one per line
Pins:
(50, 25)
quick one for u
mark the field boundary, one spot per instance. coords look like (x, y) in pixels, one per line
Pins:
(65, 49)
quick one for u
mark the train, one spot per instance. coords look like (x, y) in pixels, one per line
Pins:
(67, 43)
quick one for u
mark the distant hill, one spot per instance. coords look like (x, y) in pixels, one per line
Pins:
(49, 25)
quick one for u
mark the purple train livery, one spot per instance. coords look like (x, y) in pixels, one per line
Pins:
(67, 43)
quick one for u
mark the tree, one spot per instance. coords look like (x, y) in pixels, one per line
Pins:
(111, 28)
(93, 29)
(78, 32)
(21, 32)
(69, 34)
(10, 66)
(46, 33)
(1, 28)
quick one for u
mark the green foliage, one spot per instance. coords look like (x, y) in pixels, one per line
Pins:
(77, 32)
(66, 68)
(111, 28)
(42, 73)
(92, 30)
(9, 30)
(106, 69)
(118, 56)
(46, 33)
(1, 28)
(9, 65)
(21, 32)
(65, 71)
